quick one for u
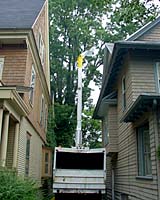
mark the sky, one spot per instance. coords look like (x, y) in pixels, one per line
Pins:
(95, 93)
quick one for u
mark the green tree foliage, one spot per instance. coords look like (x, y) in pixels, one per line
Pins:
(64, 125)
(91, 130)
(76, 26)
(13, 187)
(51, 140)
(128, 16)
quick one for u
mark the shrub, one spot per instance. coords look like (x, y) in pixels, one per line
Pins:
(13, 187)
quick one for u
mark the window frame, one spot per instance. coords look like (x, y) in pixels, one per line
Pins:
(42, 111)
(32, 85)
(123, 92)
(1, 68)
(27, 156)
(105, 131)
(41, 47)
(144, 163)
(46, 163)
(157, 75)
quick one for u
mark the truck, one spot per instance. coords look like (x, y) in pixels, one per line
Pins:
(79, 172)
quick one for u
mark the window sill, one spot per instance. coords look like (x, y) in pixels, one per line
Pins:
(144, 177)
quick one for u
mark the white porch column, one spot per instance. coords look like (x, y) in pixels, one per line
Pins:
(4, 140)
(1, 118)
(15, 150)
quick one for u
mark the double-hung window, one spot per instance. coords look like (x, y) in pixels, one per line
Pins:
(157, 65)
(32, 85)
(27, 154)
(41, 47)
(124, 93)
(1, 67)
(42, 111)
(105, 131)
(144, 151)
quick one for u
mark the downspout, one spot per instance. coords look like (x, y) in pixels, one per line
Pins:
(155, 122)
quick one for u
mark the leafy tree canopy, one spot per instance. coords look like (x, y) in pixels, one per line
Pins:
(76, 26)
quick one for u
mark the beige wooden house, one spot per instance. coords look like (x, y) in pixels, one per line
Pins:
(24, 86)
(129, 107)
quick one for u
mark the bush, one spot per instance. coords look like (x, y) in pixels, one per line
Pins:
(13, 187)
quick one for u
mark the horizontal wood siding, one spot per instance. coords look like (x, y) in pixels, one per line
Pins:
(112, 128)
(142, 74)
(41, 26)
(109, 178)
(126, 169)
(35, 161)
(151, 35)
(35, 108)
(14, 66)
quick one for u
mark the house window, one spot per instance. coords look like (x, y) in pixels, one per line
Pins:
(1, 67)
(27, 155)
(45, 117)
(46, 170)
(123, 93)
(32, 85)
(144, 151)
(105, 131)
(157, 76)
(41, 47)
(42, 111)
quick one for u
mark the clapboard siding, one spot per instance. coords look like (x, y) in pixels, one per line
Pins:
(35, 161)
(135, 70)
(112, 145)
(126, 168)
(14, 66)
(151, 35)
(109, 177)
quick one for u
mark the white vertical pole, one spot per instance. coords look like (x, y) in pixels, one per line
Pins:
(79, 110)
(1, 118)
(4, 141)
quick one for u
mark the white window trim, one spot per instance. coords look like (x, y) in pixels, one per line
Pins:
(123, 93)
(42, 111)
(32, 85)
(41, 46)
(141, 152)
(157, 65)
(1, 66)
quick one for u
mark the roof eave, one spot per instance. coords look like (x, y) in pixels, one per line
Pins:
(121, 45)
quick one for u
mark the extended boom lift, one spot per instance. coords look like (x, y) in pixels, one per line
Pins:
(79, 172)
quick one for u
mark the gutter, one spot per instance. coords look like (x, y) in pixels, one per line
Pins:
(117, 47)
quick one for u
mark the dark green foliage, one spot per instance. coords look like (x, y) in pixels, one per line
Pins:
(64, 125)
(13, 187)
(76, 26)
(51, 140)
(129, 16)
(91, 130)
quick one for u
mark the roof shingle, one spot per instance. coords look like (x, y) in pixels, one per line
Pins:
(19, 14)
